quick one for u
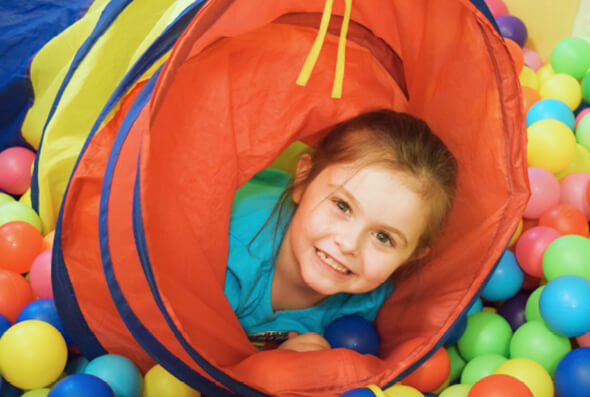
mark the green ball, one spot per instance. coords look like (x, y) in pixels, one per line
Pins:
(532, 311)
(457, 363)
(486, 333)
(567, 255)
(37, 393)
(15, 211)
(533, 340)
(583, 132)
(571, 56)
(480, 367)
(456, 391)
(6, 198)
(586, 87)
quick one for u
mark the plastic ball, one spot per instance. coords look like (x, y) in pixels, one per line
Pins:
(7, 390)
(118, 372)
(537, 342)
(497, 7)
(551, 109)
(432, 373)
(43, 310)
(81, 385)
(532, 310)
(513, 310)
(567, 255)
(572, 374)
(40, 275)
(551, 145)
(572, 56)
(15, 169)
(573, 191)
(48, 240)
(531, 373)
(15, 293)
(506, 279)
(532, 59)
(359, 392)
(579, 117)
(457, 363)
(480, 367)
(530, 96)
(476, 307)
(20, 243)
(4, 325)
(401, 391)
(37, 393)
(6, 198)
(160, 383)
(353, 332)
(531, 247)
(545, 192)
(580, 163)
(486, 333)
(586, 87)
(33, 354)
(583, 132)
(513, 28)
(544, 73)
(583, 340)
(566, 219)
(516, 54)
(456, 391)
(564, 305)
(499, 385)
(15, 211)
(528, 78)
(563, 87)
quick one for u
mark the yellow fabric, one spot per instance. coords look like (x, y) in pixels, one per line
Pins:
(138, 25)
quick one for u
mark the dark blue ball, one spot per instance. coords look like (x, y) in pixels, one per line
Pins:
(355, 333)
(81, 385)
(572, 376)
(43, 310)
(361, 392)
(4, 324)
(7, 390)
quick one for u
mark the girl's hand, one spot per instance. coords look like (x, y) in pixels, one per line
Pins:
(305, 342)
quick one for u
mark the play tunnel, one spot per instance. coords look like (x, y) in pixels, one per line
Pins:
(142, 234)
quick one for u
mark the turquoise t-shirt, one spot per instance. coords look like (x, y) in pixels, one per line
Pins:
(250, 267)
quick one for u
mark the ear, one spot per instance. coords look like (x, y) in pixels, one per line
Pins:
(301, 172)
(422, 253)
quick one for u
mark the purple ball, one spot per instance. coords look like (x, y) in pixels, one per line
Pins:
(512, 28)
(513, 310)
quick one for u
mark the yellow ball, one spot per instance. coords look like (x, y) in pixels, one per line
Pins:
(544, 73)
(531, 373)
(402, 391)
(580, 162)
(516, 234)
(529, 78)
(160, 383)
(456, 391)
(563, 87)
(33, 354)
(551, 145)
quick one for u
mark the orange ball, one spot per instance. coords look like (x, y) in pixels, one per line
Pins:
(20, 243)
(15, 294)
(566, 219)
(499, 385)
(516, 54)
(432, 373)
(530, 96)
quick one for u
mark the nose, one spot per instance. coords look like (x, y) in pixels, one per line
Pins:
(348, 241)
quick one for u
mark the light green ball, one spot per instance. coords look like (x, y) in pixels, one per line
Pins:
(457, 363)
(37, 393)
(583, 132)
(15, 211)
(6, 198)
(586, 87)
(480, 367)
(456, 391)
(532, 311)
(571, 56)
(486, 333)
(567, 255)
(533, 340)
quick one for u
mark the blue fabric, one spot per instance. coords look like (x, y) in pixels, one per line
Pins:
(25, 27)
(251, 264)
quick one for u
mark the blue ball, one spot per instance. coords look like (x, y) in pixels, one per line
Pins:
(4, 324)
(43, 310)
(353, 332)
(7, 390)
(476, 307)
(572, 375)
(118, 372)
(565, 307)
(550, 109)
(360, 392)
(81, 385)
(506, 279)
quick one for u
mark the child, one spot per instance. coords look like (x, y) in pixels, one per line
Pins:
(370, 199)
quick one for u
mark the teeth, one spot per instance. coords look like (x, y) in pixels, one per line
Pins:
(328, 260)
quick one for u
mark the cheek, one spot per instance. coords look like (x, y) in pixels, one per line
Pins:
(379, 266)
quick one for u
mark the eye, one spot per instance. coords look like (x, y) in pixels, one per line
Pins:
(342, 206)
(384, 238)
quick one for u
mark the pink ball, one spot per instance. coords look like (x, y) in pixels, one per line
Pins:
(532, 59)
(531, 247)
(584, 340)
(15, 169)
(40, 275)
(544, 192)
(497, 7)
(581, 115)
(573, 191)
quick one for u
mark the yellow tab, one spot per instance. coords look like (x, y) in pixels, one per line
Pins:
(340, 60)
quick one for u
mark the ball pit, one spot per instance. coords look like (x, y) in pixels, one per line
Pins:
(531, 247)
(506, 279)
(531, 373)
(551, 145)
(118, 372)
(567, 255)
(573, 191)
(551, 109)
(486, 333)
(81, 385)
(480, 367)
(499, 386)
(566, 219)
(545, 192)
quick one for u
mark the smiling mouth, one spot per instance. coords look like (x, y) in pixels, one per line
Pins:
(328, 260)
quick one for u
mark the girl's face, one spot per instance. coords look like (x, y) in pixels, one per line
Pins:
(353, 229)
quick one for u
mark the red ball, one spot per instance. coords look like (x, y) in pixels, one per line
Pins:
(20, 244)
(432, 373)
(15, 294)
(15, 169)
(588, 192)
(499, 385)
(566, 219)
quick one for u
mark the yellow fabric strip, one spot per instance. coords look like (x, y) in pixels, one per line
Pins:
(317, 46)
(340, 60)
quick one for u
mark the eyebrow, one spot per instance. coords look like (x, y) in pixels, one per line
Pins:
(355, 202)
